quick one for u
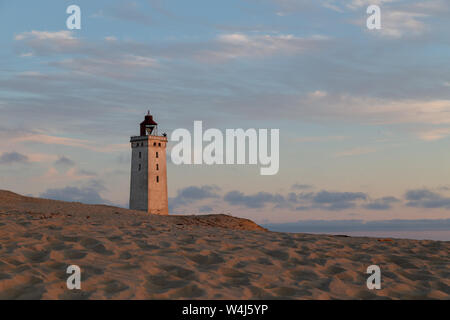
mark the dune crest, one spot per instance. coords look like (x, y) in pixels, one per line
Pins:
(125, 254)
(11, 202)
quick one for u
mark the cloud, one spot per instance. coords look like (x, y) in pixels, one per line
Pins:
(322, 200)
(257, 200)
(302, 208)
(41, 157)
(87, 173)
(205, 209)
(384, 203)
(399, 18)
(48, 42)
(198, 193)
(424, 198)
(320, 138)
(108, 57)
(64, 162)
(433, 134)
(193, 194)
(88, 195)
(333, 197)
(297, 186)
(290, 6)
(398, 24)
(13, 158)
(317, 94)
(45, 35)
(111, 67)
(127, 11)
(96, 184)
(355, 152)
(337, 200)
(376, 111)
(239, 45)
(71, 142)
(403, 19)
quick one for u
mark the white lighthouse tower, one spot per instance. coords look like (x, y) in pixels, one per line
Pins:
(148, 187)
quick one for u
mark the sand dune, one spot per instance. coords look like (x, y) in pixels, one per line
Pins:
(126, 254)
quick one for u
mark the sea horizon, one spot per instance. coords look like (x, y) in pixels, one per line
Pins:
(424, 229)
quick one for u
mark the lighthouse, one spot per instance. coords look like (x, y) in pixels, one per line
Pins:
(148, 187)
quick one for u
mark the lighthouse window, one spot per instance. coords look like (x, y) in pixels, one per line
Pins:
(139, 167)
(159, 144)
(157, 178)
(157, 166)
(157, 154)
(154, 144)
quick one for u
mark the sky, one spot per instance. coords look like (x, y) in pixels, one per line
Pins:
(364, 115)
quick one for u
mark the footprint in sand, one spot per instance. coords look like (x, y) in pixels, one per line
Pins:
(114, 287)
(165, 244)
(285, 292)
(75, 295)
(53, 227)
(115, 238)
(183, 240)
(301, 275)
(179, 272)
(23, 223)
(125, 255)
(4, 276)
(88, 271)
(259, 293)
(188, 292)
(36, 256)
(333, 270)
(11, 247)
(68, 238)
(95, 245)
(235, 278)
(402, 262)
(31, 288)
(145, 246)
(58, 266)
(240, 264)
(264, 261)
(22, 268)
(33, 235)
(280, 255)
(58, 245)
(74, 254)
(161, 283)
(206, 261)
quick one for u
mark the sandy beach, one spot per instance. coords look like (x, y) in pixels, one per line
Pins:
(126, 254)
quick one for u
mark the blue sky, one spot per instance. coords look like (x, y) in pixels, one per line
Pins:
(363, 115)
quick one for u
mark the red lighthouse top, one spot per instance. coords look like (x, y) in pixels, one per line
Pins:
(148, 125)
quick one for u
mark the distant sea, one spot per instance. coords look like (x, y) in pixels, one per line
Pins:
(416, 235)
(436, 229)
